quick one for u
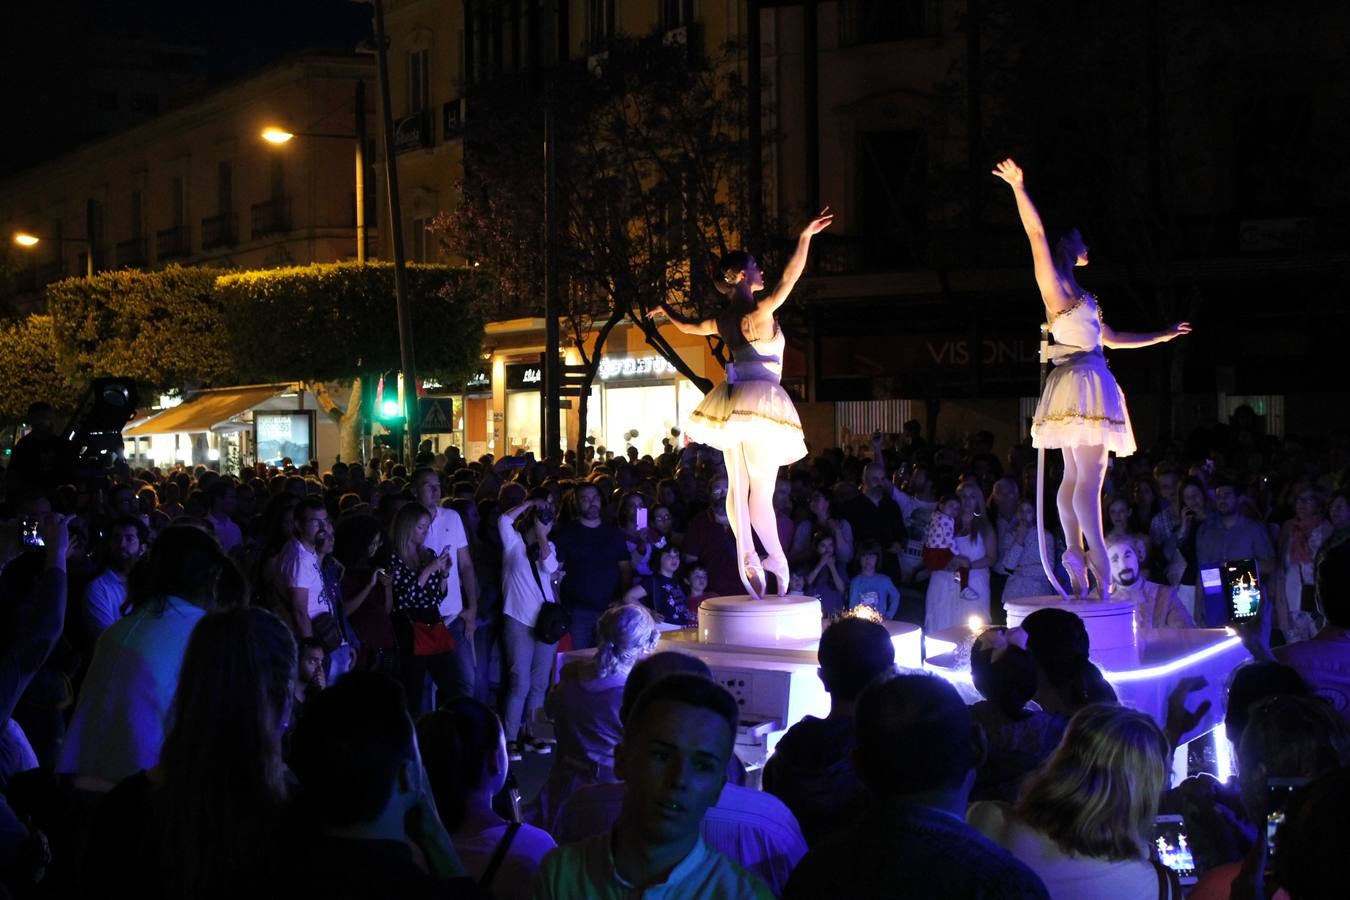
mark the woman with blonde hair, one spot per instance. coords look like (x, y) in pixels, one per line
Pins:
(1084, 820)
(584, 705)
(418, 576)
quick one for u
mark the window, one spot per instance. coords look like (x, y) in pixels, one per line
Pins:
(599, 24)
(893, 201)
(875, 21)
(676, 13)
(134, 211)
(224, 187)
(176, 200)
(420, 245)
(419, 80)
(278, 178)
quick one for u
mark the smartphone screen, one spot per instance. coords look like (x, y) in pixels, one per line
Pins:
(1173, 846)
(31, 538)
(1278, 793)
(1242, 587)
(642, 517)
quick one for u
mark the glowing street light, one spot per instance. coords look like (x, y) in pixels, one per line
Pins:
(28, 241)
(276, 136)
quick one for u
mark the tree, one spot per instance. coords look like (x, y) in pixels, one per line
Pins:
(29, 371)
(336, 322)
(651, 156)
(161, 328)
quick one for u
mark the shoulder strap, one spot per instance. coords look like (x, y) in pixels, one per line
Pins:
(534, 570)
(499, 854)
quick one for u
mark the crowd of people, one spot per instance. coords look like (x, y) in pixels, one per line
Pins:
(320, 678)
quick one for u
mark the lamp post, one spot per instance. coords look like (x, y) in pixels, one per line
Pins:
(280, 136)
(28, 240)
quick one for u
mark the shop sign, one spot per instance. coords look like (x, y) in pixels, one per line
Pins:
(524, 377)
(634, 367)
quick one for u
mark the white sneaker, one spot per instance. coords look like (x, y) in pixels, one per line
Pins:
(968, 593)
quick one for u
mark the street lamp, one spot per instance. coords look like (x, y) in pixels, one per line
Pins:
(278, 136)
(29, 240)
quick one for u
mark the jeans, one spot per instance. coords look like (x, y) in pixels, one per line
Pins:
(452, 672)
(487, 652)
(583, 628)
(529, 666)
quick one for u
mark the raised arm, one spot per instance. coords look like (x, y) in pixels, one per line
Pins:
(1047, 277)
(686, 325)
(1124, 340)
(797, 263)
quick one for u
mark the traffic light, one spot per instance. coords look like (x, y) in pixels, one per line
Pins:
(390, 416)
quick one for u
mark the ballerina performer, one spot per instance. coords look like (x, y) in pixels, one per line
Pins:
(749, 417)
(1082, 409)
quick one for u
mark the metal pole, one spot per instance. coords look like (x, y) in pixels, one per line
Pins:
(552, 439)
(754, 112)
(405, 341)
(359, 105)
(89, 238)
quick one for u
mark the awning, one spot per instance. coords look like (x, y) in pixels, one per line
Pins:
(206, 410)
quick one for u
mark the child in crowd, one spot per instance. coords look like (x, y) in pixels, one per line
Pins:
(871, 588)
(661, 591)
(939, 541)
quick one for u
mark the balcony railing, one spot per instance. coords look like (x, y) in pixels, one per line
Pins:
(271, 216)
(220, 231)
(171, 243)
(129, 254)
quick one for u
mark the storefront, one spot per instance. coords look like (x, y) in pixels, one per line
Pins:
(640, 393)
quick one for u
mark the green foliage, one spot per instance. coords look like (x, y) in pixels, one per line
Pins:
(28, 370)
(161, 328)
(330, 321)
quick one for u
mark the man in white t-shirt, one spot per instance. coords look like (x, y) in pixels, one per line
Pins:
(459, 609)
(298, 566)
(104, 597)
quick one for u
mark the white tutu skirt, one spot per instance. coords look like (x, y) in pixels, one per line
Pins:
(1082, 406)
(759, 413)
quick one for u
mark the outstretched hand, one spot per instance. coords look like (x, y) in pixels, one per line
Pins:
(654, 312)
(1181, 719)
(819, 223)
(1010, 172)
(1177, 330)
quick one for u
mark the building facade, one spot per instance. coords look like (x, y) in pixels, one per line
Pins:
(198, 185)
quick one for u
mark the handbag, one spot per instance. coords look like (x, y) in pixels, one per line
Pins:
(554, 619)
(431, 638)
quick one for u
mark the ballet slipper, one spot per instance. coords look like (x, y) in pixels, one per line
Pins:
(778, 567)
(1101, 576)
(1076, 566)
(752, 576)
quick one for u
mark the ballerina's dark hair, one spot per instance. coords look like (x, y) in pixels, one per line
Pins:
(733, 262)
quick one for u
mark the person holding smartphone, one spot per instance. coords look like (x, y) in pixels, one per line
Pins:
(418, 576)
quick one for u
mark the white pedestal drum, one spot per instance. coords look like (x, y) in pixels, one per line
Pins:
(1110, 626)
(790, 623)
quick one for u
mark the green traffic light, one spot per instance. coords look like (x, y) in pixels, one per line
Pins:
(390, 409)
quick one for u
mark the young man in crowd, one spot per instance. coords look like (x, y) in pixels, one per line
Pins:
(1226, 536)
(677, 742)
(459, 609)
(812, 770)
(298, 566)
(596, 559)
(104, 597)
(917, 751)
(751, 827)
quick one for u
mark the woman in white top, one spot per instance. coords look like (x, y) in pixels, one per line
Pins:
(525, 546)
(1084, 822)
(464, 751)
